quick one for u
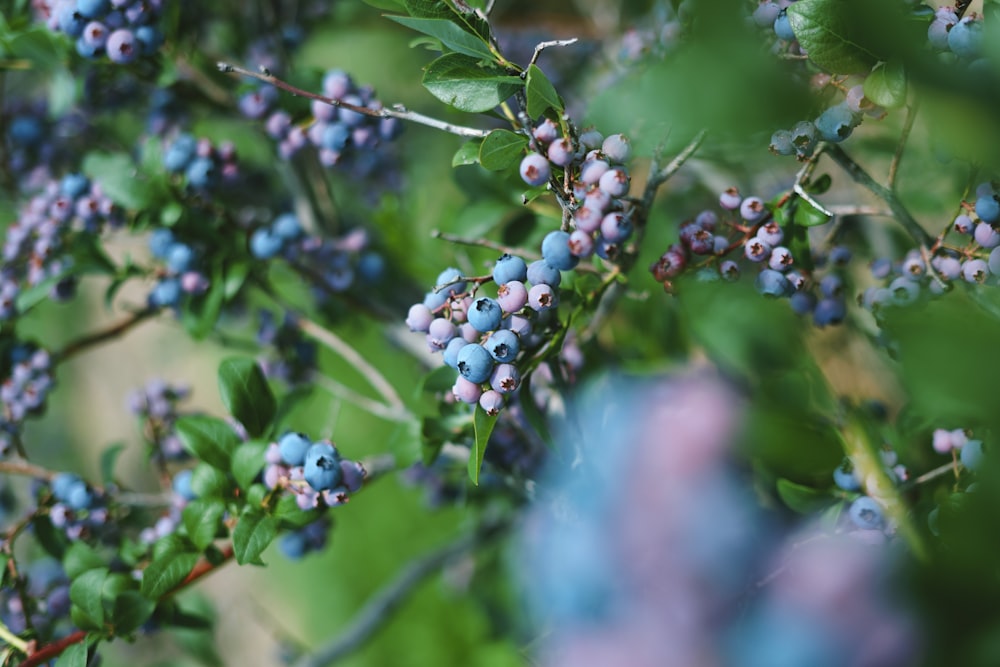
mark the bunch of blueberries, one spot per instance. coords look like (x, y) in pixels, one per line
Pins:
(341, 137)
(315, 472)
(24, 391)
(47, 594)
(747, 224)
(79, 511)
(124, 30)
(156, 405)
(205, 166)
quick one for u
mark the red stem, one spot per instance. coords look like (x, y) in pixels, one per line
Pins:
(53, 650)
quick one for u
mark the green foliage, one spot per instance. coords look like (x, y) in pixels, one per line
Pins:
(253, 533)
(208, 438)
(467, 84)
(828, 32)
(246, 394)
(502, 149)
(484, 424)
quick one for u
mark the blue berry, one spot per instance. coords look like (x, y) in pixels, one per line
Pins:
(179, 258)
(975, 271)
(556, 253)
(475, 364)
(752, 209)
(322, 467)
(965, 38)
(451, 350)
(287, 226)
(615, 182)
(904, 291)
(617, 148)
(781, 143)
(512, 296)
(485, 314)
(293, 545)
(79, 496)
(535, 169)
(846, 478)
(180, 153)
(772, 283)
(831, 310)
(93, 9)
(74, 185)
(122, 46)
(541, 272)
(971, 454)
(866, 514)
(988, 208)
(542, 297)
(508, 268)
(491, 401)
(783, 27)
(836, 123)
(450, 277)
(62, 484)
(166, 293)
(265, 244)
(505, 378)
(466, 391)
(503, 345)
(181, 485)
(293, 448)
(201, 173)
(560, 152)
(150, 39)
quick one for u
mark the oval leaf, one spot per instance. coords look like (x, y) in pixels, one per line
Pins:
(802, 499)
(501, 149)
(467, 85)
(886, 85)
(246, 394)
(85, 594)
(201, 521)
(248, 460)
(163, 574)
(467, 154)
(254, 531)
(450, 34)
(210, 439)
(541, 94)
(824, 30)
(483, 424)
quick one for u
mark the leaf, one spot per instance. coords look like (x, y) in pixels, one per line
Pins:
(74, 656)
(541, 94)
(163, 574)
(246, 394)
(253, 533)
(287, 511)
(208, 482)
(390, 5)
(484, 424)
(200, 316)
(465, 84)
(818, 186)
(201, 519)
(248, 460)
(531, 412)
(130, 610)
(800, 498)
(451, 35)
(85, 593)
(807, 215)
(108, 459)
(824, 29)
(119, 178)
(210, 439)
(886, 85)
(501, 149)
(467, 154)
(438, 9)
(80, 558)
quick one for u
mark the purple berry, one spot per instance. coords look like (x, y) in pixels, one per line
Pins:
(535, 170)
(122, 47)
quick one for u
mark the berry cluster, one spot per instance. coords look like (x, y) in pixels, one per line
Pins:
(38, 245)
(79, 511)
(866, 512)
(205, 166)
(181, 274)
(24, 391)
(958, 442)
(710, 244)
(974, 258)
(835, 124)
(962, 37)
(314, 472)
(341, 137)
(292, 356)
(124, 30)
(309, 539)
(47, 594)
(156, 405)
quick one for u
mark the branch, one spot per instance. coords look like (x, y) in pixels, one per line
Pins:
(396, 111)
(81, 344)
(544, 45)
(370, 406)
(860, 176)
(26, 469)
(381, 606)
(658, 176)
(484, 243)
(340, 347)
(911, 115)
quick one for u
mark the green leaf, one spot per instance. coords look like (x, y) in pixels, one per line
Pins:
(287, 511)
(451, 35)
(86, 593)
(211, 440)
(129, 610)
(119, 177)
(108, 459)
(389, 5)
(467, 154)
(484, 424)
(501, 149)
(248, 460)
(246, 394)
(807, 215)
(74, 656)
(818, 186)
(438, 9)
(886, 85)
(541, 94)
(80, 558)
(208, 482)
(163, 574)
(202, 313)
(236, 276)
(825, 30)
(254, 531)
(467, 85)
(531, 411)
(201, 520)
(800, 498)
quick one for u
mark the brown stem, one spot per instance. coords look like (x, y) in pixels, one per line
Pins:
(79, 345)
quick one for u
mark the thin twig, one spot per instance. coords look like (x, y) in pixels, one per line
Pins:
(659, 176)
(396, 111)
(340, 347)
(545, 45)
(860, 176)
(380, 607)
(79, 345)
(370, 406)
(484, 243)
(26, 469)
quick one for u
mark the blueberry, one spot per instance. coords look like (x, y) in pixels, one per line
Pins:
(505, 378)
(846, 478)
(201, 173)
(615, 227)
(508, 268)
(335, 136)
(265, 244)
(62, 483)
(988, 208)
(475, 364)
(836, 123)
(122, 46)
(535, 170)
(772, 283)
(783, 27)
(466, 391)
(617, 148)
(542, 297)
(293, 447)
(830, 310)
(866, 514)
(293, 545)
(503, 345)
(166, 293)
(93, 9)
(541, 272)
(485, 314)
(971, 454)
(179, 153)
(560, 152)
(556, 253)
(179, 258)
(74, 185)
(287, 226)
(965, 38)
(752, 209)
(181, 485)
(79, 497)
(150, 39)
(781, 143)
(492, 402)
(452, 349)
(975, 271)
(322, 467)
(512, 296)
(615, 182)
(419, 318)
(450, 277)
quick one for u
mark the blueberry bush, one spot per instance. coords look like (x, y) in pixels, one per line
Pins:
(652, 333)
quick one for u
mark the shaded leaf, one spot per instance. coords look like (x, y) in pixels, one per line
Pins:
(484, 424)
(208, 438)
(253, 533)
(468, 153)
(246, 394)
(119, 178)
(465, 84)
(163, 574)
(825, 30)
(450, 34)
(86, 594)
(501, 149)
(248, 461)
(541, 94)
(201, 519)
(800, 498)
(886, 85)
